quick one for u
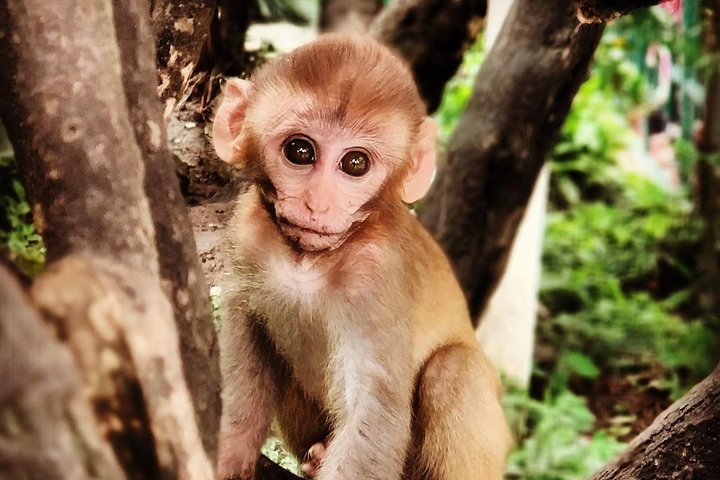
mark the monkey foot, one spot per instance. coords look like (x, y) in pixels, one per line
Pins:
(313, 457)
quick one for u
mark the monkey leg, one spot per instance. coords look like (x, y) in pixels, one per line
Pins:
(460, 425)
(249, 395)
(302, 424)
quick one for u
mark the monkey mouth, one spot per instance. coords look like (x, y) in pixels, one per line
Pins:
(302, 238)
(309, 239)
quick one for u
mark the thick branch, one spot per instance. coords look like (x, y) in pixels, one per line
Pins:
(84, 174)
(432, 36)
(602, 11)
(183, 280)
(47, 427)
(519, 102)
(683, 442)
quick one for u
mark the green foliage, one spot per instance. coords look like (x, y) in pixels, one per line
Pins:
(17, 233)
(278, 453)
(458, 91)
(600, 283)
(557, 438)
(596, 129)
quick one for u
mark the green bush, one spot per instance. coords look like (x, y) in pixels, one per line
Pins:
(557, 438)
(17, 232)
(601, 266)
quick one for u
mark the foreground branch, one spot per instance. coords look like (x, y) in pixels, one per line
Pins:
(47, 429)
(683, 442)
(84, 173)
(182, 277)
(602, 11)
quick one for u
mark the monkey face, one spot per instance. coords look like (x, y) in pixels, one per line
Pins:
(324, 179)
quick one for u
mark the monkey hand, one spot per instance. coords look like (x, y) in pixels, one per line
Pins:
(313, 458)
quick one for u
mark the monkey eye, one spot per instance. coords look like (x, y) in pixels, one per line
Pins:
(299, 151)
(355, 163)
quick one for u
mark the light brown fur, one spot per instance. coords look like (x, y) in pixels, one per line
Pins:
(366, 347)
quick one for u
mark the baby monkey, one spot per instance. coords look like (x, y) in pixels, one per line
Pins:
(344, 321)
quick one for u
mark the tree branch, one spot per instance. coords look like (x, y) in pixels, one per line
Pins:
(683, 442)
(602, 11)
(520, 99)
(432, 36)
(182, 277)
(47, 428)
(84, 174)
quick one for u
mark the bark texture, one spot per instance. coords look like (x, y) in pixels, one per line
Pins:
(520, 99)
(47, 427)
(682, 443)
(180, 29)
(432, 36)
(602, 11)
(180, 273)
(708, 166)
(348, 16)
(82, 165)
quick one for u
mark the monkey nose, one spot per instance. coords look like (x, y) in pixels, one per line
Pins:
(316, 209)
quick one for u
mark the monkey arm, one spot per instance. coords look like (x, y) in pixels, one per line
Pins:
(249, 395)
(374, 393)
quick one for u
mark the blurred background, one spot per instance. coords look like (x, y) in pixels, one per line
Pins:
(607, 308)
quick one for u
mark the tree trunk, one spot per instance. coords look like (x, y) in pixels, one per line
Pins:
(180, 30)
(180, 272)
(349, 16)
(708, 166)
(520, 99)
(47, 428)
(682, 443)
(84, 174)
(432, 36)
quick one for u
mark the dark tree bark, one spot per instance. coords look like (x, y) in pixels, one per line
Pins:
(708, 166)
(348, 15)
(432, 36)
(602, 11)
(520, 99)
(180, 29)
(682, 443)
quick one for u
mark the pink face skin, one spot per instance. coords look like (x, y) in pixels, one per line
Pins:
(317, 205)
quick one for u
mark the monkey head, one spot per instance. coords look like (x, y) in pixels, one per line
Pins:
(329, 133)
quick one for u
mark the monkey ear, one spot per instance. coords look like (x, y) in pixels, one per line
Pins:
(422, 171)
(230, 117)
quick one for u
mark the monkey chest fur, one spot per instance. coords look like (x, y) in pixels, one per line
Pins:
(293, 302)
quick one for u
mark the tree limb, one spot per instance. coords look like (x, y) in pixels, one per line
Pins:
(683, 442)
(84, 174)
(432, 36)
(182, 278)
(47, 427)
(602, 11)
(520, 99)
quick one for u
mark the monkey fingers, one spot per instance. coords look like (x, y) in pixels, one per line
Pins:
(313, 458)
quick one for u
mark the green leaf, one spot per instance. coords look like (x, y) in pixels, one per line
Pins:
(581, 365)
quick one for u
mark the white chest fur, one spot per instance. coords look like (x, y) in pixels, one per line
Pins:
(295, 312)
(302, 279)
